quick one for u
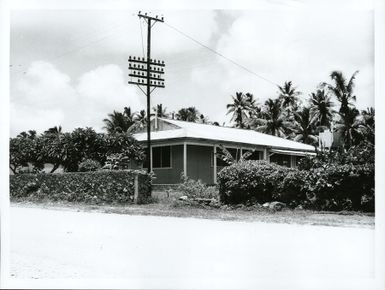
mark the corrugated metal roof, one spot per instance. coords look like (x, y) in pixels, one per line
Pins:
(222, 134)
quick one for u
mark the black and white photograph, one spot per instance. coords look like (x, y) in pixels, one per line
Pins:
(192, 145)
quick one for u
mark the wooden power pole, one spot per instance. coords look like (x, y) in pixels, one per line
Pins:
(147, 72)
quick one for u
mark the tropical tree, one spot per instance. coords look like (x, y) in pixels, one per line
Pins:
(190, 114)
(159, 111)
(348, 126)
(366, 125)
(273, 121)
(119, 122)
(342, 89)
(24, 150)
(54, 130)
(288, 95)
(321, 109)
(240, 108)
(303, 129)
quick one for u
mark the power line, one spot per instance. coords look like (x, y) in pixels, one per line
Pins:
(221, 55)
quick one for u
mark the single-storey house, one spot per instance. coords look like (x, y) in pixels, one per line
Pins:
(179, 147)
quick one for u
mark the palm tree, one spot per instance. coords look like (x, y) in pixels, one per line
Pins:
(321, 109)
(303, 128)
(366, 125)
(241, 107)
(190, 114)
(273, 121)
(159, 111)
(118, 122)
(348, 126)
(54, 130)
(288, 95)
(342, 89)
(31, 134)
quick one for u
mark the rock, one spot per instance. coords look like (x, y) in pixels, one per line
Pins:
(299, 207)
(276, 205)
(184, 197)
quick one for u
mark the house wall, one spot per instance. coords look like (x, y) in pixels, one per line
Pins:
(199, 163)
(171, 175)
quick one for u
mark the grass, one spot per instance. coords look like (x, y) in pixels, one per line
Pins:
(165, 205)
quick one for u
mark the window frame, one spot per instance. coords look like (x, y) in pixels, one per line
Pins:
(161, 159)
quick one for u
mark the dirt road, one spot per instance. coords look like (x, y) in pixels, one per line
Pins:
(68, 244)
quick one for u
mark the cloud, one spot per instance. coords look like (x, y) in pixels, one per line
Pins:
(46, 97)
(301, 45)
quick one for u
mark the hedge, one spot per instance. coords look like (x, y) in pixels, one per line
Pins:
(249, 180)
(90, 187)
(333, 187)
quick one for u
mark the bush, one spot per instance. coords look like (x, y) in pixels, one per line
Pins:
(341, 187)
(196, 189)
(89, 165)
(90, 187)
(291, 189)
(246, 181)
(334, 187)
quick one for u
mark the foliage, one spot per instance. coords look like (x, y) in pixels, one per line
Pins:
(331, 181)
(228, 158)
(196, 188)
(348, 126)
(321, 109)
(303, 127)
(367, 125)
(288, 96)
(70, 149)
(342, 89)
(25, 149)
(89, 187)
(249, 181)
(190, 114)
(340, 187)
(89, 165)
(241, 107)
(291, 189)
(273, 120)
(118, 122)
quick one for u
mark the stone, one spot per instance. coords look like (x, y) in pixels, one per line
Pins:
(266, 205)
(276, 205)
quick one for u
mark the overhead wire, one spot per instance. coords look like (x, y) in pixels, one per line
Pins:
(221, 55)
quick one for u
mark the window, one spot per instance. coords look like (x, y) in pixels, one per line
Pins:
(234, 153)
(280, 159)
(255, 155)
(161, 157)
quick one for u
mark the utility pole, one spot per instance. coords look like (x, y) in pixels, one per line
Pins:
(147, 72)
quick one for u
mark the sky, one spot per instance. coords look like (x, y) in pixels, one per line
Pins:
(69, 67)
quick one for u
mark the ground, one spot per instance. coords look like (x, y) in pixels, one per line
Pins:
(65, 243)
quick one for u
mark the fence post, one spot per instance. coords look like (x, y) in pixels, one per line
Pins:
(136, 188)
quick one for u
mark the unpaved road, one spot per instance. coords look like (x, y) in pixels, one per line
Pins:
(68, 244)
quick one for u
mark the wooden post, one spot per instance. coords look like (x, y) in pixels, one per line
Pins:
(215, 164)
(136, 188)
(185, 159)
(266, 155)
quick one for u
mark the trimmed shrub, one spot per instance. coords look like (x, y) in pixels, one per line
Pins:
(332, 187)
(341, 187)
(196, 189)
(89, 165)
(291, 189)
(90, 187)
(249, 180)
